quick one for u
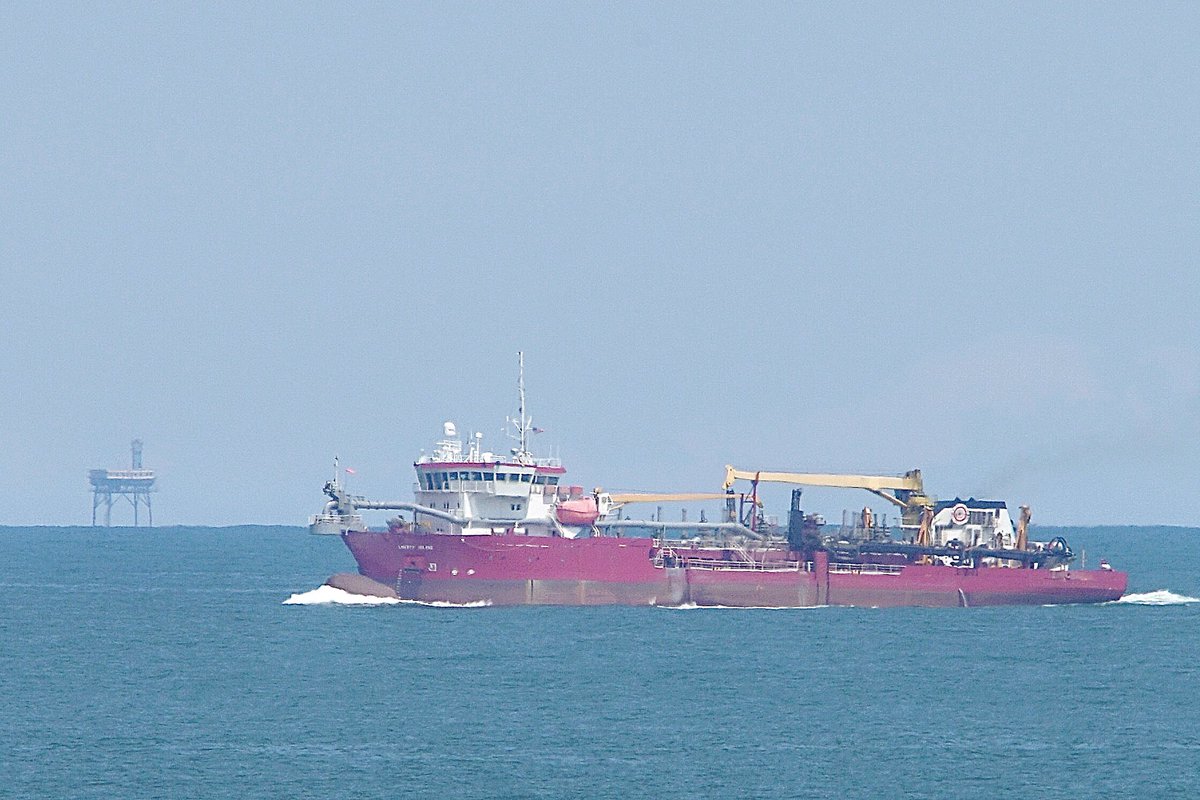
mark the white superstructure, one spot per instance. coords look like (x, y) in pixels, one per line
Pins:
(486, 490)
(462, 489)
(973, 523)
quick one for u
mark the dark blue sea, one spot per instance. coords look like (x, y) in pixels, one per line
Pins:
(138, 663)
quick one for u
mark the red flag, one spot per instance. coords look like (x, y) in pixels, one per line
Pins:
(350, 471)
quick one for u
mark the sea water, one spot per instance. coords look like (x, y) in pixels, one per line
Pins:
(209, 663)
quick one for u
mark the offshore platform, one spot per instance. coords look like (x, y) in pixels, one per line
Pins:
(134, 485)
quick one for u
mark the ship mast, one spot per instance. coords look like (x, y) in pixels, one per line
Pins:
(523, 422)
(521, 405)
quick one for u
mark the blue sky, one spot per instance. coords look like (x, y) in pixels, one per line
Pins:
(785, 236)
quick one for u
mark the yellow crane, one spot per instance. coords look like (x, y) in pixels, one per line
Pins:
(621, 498)
(906, 491)
(1022, 542)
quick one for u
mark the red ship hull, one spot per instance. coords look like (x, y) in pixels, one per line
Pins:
(516, 570)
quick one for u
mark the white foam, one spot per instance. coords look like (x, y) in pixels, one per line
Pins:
(1160, 597)
(331, 595)
(445, 604)
(694, 606)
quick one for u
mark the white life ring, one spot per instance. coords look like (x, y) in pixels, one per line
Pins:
(960, 514)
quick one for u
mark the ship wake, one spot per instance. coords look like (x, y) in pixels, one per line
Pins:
(1159, 597)
(326, 595)
(695, 606)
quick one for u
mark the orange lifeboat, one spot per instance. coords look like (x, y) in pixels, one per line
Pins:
(577, 512)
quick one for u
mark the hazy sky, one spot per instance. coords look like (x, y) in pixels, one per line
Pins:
(961, 237)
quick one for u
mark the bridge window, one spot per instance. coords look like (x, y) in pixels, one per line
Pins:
(552, 480)
(487, 476)
(526, 478)
(476, 476)
(539, 480)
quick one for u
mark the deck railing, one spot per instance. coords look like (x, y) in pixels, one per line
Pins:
(661, 559)
(865, 569)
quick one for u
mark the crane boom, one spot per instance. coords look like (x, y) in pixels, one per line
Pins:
(668, 497)
(909, 481)
(906, 491)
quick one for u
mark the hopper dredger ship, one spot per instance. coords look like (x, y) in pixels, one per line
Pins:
(509, 529)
